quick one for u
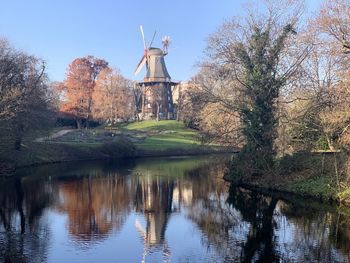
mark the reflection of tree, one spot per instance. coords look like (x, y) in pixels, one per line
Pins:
(340, 232)
(95, 205)
(248, 227)
(258, 211)
(208, 208)
(319, 229)
(24, 232)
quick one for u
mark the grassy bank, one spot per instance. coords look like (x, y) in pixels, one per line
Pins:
(307, 175)
(147, 138)
(152, 138)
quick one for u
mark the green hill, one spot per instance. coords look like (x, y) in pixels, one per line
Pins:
(138, 139)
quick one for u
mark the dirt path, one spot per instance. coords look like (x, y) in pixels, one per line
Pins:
(53, 136)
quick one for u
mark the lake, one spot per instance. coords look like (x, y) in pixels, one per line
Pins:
(160, 210)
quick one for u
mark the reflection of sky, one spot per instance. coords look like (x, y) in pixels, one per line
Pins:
(179, 231)
(293, 244)
(182, 237)
(123, 246)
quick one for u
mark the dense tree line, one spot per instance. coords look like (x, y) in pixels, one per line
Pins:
(26, 100)
(277, 83)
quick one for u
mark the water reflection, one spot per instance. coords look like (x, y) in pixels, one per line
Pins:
(135, 203)
(258, 211)
(153, 198)
(24, 231)
(95, 205)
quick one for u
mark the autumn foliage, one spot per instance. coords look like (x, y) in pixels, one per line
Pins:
(79, 86)
(112, 97)
(94, 91)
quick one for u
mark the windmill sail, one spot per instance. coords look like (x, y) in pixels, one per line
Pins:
(143, 38)
(154, 34)
(140, 65)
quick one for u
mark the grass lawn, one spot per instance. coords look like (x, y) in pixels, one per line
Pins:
(317, 186)
(163, 135)
(146, 135)
(145, 138)
(164, 125)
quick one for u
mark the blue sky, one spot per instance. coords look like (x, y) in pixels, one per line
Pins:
(62, 30)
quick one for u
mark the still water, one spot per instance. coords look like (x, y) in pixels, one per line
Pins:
(159, 210)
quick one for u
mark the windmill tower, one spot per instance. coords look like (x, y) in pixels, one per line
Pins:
(157, 99)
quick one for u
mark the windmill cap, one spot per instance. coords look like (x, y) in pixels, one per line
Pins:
(155, 51)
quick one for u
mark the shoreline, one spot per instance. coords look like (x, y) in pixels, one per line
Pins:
(282, 193)
(261, 186)
(139, 153)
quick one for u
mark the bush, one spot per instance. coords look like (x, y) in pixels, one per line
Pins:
(297, 162)
(123, 147)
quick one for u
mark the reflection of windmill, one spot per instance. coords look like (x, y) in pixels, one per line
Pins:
(149, 243)
(154, 200)
(157, 100)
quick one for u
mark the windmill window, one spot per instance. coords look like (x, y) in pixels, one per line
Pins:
(149, 105)
(169, 98)
(169, 106)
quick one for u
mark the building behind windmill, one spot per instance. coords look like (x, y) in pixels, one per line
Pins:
(157, 99)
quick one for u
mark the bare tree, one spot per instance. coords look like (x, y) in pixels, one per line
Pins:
(334, 20)
(25, 100)
(318, 106)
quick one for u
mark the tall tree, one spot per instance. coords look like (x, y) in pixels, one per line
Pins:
(262, 83)
(137, 92)
(25, 100)
(318, 109)
(334, 20)
(79, 86)
(249, 65)
(113, 98)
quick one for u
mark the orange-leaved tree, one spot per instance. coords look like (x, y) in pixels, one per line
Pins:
(113, 100)
(78, 87)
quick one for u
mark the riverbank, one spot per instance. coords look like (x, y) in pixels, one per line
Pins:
(139, 139)
(320, 176)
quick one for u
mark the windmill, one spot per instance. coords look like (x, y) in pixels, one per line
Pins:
(157, 101)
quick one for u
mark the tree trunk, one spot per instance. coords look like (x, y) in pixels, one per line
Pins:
(18, 142)
(18, 134)
(20, 194)
(179, 105)
(143, 102)
(158, 107)
(330, 143)
(79, 123)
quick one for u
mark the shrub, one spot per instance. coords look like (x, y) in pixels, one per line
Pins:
(123, 147)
